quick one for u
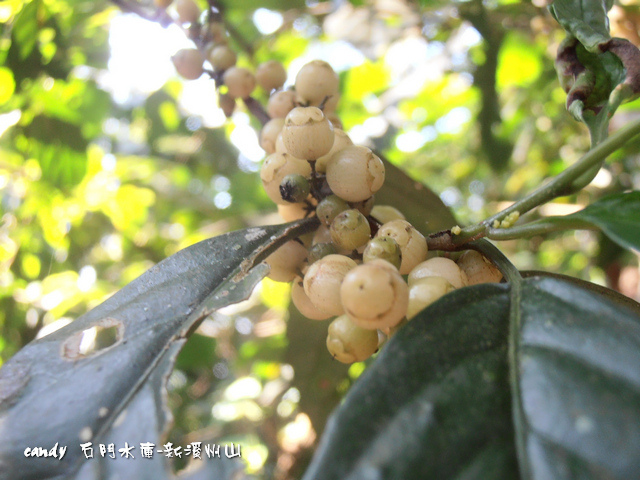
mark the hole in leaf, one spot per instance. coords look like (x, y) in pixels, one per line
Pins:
(94, 340)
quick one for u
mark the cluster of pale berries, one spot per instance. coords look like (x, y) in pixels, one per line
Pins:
(354, 266)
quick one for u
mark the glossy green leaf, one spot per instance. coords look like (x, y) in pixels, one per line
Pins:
(578, 406)
(617, 215)
(78, 394)
(584, 19)
(434, 404)
(421, 206)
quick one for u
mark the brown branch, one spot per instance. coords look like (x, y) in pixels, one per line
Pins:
(256, 108)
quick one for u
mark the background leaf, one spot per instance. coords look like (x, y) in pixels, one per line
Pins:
(152, 314)
(617, 215)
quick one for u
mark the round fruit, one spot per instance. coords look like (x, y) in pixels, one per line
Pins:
(386, 213)
(374, 295)
(322, 235)
(286, 261)
(412, 243)
(478, 269)
(188, 11)
(189, 63)
(329, 208)
(281, 103)
(315, 81)
(303, 304)
(269, 134)
(350, 230)
(340, 141)
(294, 188)
(322, 282)
(271, 75)
(239, 81)
(321, 250)
(277, 166)
(355, 173)
(348, 342)
(292, 211)
(365, 206)
(383, 248)
(439, 267)
(307, 133)
(217, 33)
(426, 291)
(222, 57)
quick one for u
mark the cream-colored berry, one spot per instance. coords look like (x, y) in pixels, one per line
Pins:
(292, 211)
(374, 295)
(280, 148)
(277, 166)
(426, 291)
(315, 81)
(478, 269)
(350, 230)
(335, 120)
(322, 282)
(307, 133)
(269, 134)
(303, 304)
(348, 343)
(355, 173)
(322, 235)
(240, 82)
(412, 243)
(188, 11)
(222, 57)
(439, 267)
(386, 213)
(340, 141)
(281, 103)
(286, 261)
(271, 75)
(188, 63)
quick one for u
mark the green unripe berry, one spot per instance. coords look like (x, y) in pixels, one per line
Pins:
(383, 248)
(350, 230)
(321, 250)
(439, 267)
(294, 188)
(426, 291)
(348, 342)
(329, 208)
(374, 295)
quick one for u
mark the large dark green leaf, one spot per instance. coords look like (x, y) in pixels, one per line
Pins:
(584, 19)
(53, 392)
(436, 401)
(434, 404)
(617, 215)
(579, 382)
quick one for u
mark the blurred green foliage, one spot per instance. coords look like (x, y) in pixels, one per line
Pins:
(97, 185)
